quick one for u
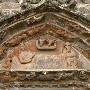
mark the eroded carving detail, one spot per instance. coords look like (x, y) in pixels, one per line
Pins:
(19, 45)
(46, 44)
(26, 57)
(82, 75)
(64, 78)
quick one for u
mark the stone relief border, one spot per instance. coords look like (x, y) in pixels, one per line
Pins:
(55, 6)
(78, 78)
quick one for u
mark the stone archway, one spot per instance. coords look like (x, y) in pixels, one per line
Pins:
(45, 49)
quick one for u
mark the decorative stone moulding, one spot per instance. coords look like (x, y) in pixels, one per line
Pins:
(46, 45)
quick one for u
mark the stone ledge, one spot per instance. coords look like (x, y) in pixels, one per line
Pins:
(50, 79)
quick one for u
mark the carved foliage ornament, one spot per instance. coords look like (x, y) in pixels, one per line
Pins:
(57, 3)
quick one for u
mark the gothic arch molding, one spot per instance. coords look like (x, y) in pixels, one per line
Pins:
(20, 30)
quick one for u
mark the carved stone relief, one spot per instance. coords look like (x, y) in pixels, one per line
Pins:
(47, 45)
(47, 54)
